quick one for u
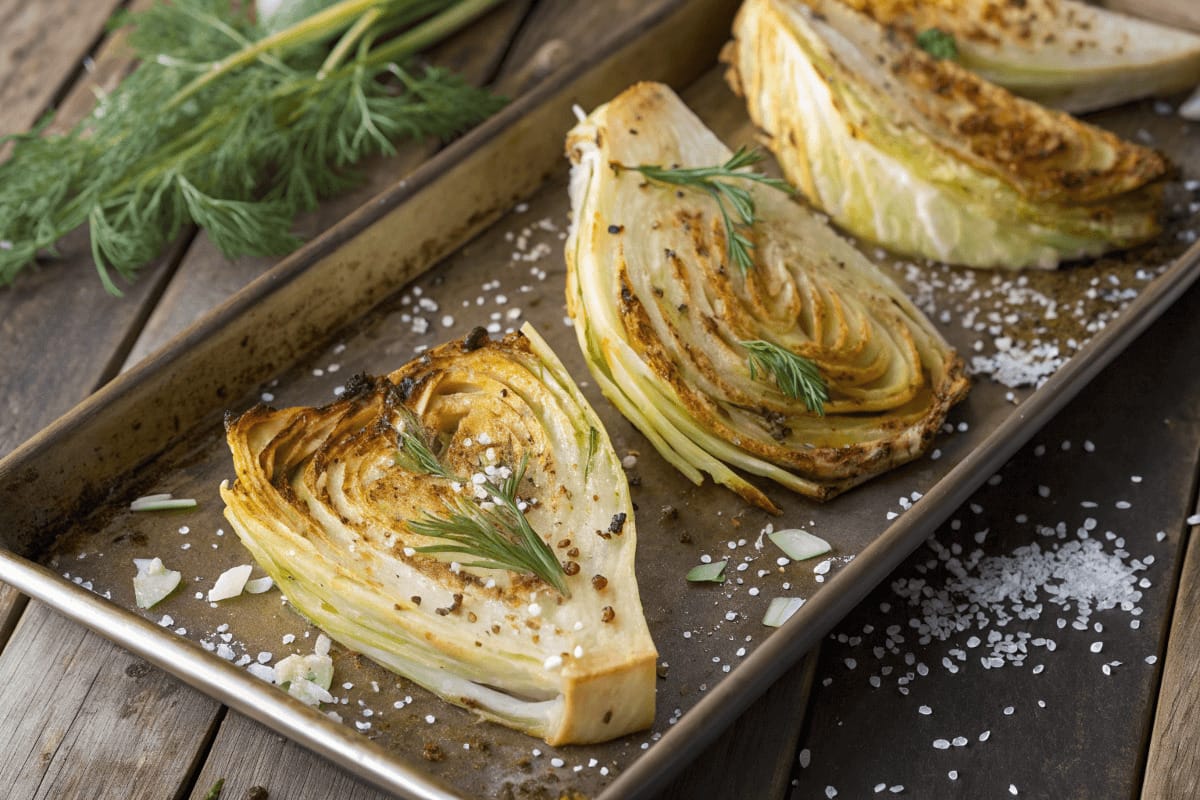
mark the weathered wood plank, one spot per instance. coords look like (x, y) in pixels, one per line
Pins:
(246, 754)
(60, 308)
(12, 603)
(112, 61)
(106, 723)
(44, 46)
(1173, 761)
(62, 336)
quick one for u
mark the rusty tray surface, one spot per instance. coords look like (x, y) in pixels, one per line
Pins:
(347, 303)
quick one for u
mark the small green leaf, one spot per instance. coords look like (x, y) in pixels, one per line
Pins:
(937, 43)
(708, 573)
(799, 545)
(215, 792)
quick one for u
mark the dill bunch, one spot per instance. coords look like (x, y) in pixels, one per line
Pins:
(234, 125)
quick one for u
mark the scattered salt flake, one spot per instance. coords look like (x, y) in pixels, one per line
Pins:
(926, 710)
(959, 741)
(1151, 659)
(262, 672)
(1194, 519)
(805, 758)
(941, 744)
(830, 792)
(952, 774)
(1096, 647)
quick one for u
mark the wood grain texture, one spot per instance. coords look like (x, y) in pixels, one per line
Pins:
(245, 755)
(62, 336)
(107, 725)
(44, 47)
(1173, 761)
(12, 604)
(112, 61)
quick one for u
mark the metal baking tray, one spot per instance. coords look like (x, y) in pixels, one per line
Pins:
(477, 232)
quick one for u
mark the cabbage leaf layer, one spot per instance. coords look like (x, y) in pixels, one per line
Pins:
(663, 318)
(325, 503)
(926, 158)
(1063, 53)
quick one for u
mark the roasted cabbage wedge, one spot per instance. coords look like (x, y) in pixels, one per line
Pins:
(662, 317)
(926, 158)
(1062, 53)
(326, 506)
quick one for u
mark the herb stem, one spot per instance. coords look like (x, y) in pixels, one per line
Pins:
(356, 31)
(306, 30)
(432, 30)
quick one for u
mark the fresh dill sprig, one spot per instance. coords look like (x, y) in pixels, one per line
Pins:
(217, 129)
(795, 375)
(717, 182)
(492, 529)
(938, 43)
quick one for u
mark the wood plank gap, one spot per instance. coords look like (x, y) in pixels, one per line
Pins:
(1188, 566)
(68, 83)
(188, 784)
(497, 70)
(12, 606)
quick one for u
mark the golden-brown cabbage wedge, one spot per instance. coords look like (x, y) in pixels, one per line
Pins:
(1062, 53)
(661, 316)
(926, 158)
(323, 503)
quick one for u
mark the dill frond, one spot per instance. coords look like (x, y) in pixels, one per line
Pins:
(796, 376)
(258, 136)
(493, 530)
(717, 182)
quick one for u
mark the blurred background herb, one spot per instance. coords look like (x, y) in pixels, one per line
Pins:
(234, 121)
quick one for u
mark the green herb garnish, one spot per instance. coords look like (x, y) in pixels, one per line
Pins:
(233, 126)
(716, 181)
(492, 530)
(713, 572)
(214, 792)
(937, 43)
(795, 375)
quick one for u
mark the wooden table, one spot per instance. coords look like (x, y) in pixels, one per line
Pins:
(79, 717)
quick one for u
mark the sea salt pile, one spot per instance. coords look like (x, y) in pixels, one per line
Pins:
(984, 594)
